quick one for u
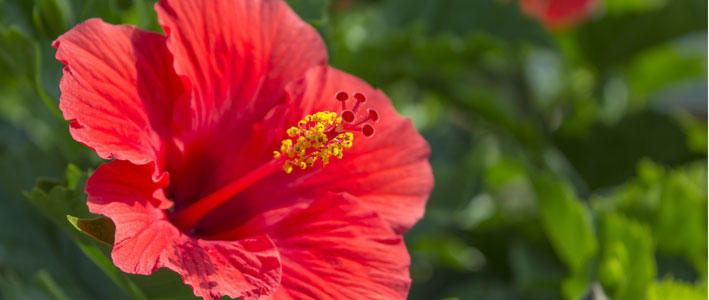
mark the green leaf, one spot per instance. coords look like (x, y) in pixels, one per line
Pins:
(668, 64)
(566, 221)
(502, 171)
(680, 227)
(668, 288)
(52, 17)
(627, 266)
(101, 228)
(696, 131)
(574, 286)
(74, 177)
(627, 6)
(18, 51)
(568, 226)
(58, 199)
(672, 202)
(142, 14)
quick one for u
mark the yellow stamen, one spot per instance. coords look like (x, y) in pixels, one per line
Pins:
(317, 136)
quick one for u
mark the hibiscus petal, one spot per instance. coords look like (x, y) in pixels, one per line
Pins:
(117, 89)
(145, 240)
(334, 248)
(248, 268)
(238, 55)
(389, 172)
(344, 251)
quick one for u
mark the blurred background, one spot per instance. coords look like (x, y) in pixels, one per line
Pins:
(569, 144)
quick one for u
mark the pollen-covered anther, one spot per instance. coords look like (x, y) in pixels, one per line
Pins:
(324, 135)
(319, 136)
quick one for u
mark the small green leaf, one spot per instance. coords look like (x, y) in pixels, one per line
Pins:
(502, 171)
(58, 199)
(680, 227)
(566, 221)
(52, 17)
(668, 64)
(102, 229)
(73, 176)
(633, 6)
(574, 286)
(18, 51)
(627, 265)
(671, 289)
(672, 202)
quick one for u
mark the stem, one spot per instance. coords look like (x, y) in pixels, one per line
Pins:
(186, 218)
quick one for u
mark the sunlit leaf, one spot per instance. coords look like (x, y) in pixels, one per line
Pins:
(101, 228)
(569, 228)
(671, 289)
(567, 222)
(659, 67)
(627, 266)
(680, 227)
(52, 17)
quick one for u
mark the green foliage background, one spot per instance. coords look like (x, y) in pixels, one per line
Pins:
(567, 164)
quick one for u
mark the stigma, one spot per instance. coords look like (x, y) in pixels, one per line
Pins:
(325, 135)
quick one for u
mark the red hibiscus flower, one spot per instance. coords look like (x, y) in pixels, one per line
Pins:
(559, 13)
(241, 160)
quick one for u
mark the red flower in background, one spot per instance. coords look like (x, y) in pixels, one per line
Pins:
(242, 161)
(559, 13)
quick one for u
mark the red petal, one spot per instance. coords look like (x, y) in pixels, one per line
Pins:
(117, 89)
(145, 240)
(389, 172)
(248, 268)
(567, 12)
(238, 56)
(558, 13)
(335, 248)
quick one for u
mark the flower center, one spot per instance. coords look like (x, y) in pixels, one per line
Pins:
(319, 136)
